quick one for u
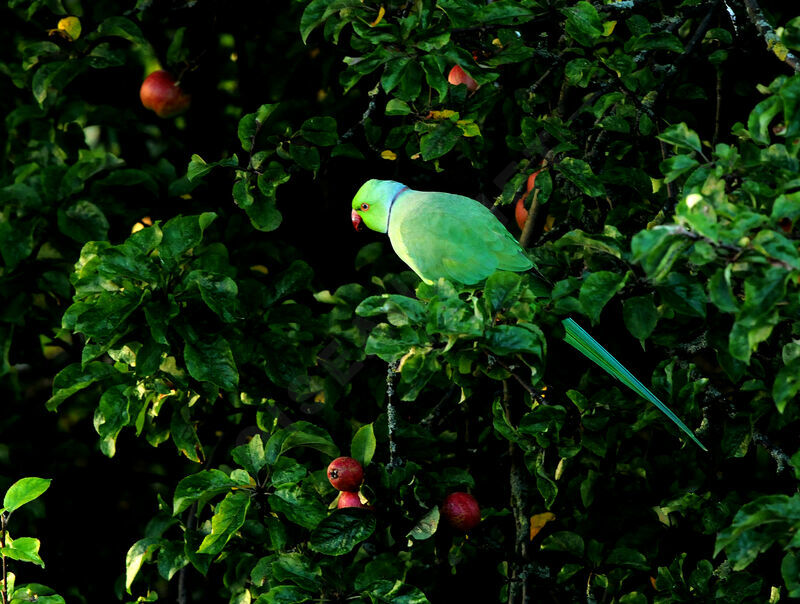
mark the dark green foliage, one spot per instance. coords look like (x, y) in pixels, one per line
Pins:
(195, 280)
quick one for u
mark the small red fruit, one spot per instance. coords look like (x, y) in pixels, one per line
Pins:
(458, 76)
(349, 499)
(520, 212)
(162, 94)
(345, 474)
(461, 511)
(532, 180)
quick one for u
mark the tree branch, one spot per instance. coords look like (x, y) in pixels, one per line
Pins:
(391, 418)
(765, 29)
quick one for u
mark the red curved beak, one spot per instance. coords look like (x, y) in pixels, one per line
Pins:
(356, 220)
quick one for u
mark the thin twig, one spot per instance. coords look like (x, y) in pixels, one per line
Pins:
(391, 418)
(765, 29)
(527, 229)
(537, 397)
(372, 94)
(782, 460)
(517, 588)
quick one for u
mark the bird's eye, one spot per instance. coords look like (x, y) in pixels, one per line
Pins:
(365, 206)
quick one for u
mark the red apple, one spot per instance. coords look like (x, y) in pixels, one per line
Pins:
(521, 212)
(345, 474)
(458, 76)
(349, 499)
(532, 180)
(461, 511)
(161, 93)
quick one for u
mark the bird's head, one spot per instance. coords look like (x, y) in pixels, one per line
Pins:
(373, 203)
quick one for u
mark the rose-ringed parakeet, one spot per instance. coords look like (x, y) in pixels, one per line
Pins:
(458, 238)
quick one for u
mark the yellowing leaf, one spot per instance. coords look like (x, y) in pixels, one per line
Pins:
(381, 13)
(71, 26)
(468, 128)
(548, 223)
(388, 154)
(260, 268)
(444, 114)
(538, 521)
(608, 27)
(319, 397)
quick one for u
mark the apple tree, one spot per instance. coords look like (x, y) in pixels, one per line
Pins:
(192, 332)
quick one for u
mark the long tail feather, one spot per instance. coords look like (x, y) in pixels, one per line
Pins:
(576, 336)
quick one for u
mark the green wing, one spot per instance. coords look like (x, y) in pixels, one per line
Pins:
(451, 236)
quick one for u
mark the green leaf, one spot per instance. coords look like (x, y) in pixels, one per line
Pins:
(284, 594)
(790, 569)
(399, 310)
(597, 290)
(504, 340)
(640, 316)
(786, 385)
(440, 140)
(299, 506)
(564, 541)
(680, 136)
(83, 221)
(320, 131)
(16, 241)
(684, 294)
(363, 445)
(756, 527)
(720, 291)
(249, 125)
(305, 157)
(791, 36)
(583, 23)
(202, 485)
(298, 569)
(184, 435)
(24, 549)
(110, 417)
(299, 434)
(211, 360)
(219, 292)
(24, 491)
(318, 11)
(251, 456)
(502, 289)
(182, 233)
(395, 592)
(73, 378)
(504, 12)
(123, 28)
(397, 107)
(427, 525)
(580, 174)
(661, 40)
(658, 249)
(171, 558)
(761, 117)
(139, 552)
(228, 518)
(340, 532)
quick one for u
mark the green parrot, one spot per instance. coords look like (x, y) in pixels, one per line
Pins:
(458, 238)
